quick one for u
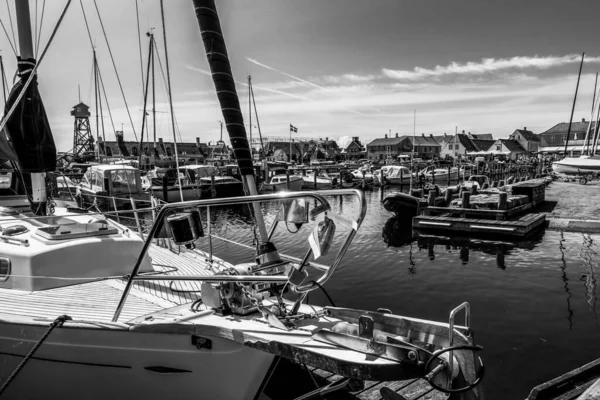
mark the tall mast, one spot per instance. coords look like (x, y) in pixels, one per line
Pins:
(586, 140)
(150, 47)
(153, 101)
(96, 94)
(216, 52)
(3, 77)
(250, 112)
(574, 101)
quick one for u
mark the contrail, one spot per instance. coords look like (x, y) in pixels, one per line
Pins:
(253, 61)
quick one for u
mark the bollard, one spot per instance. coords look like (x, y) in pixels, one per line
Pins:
(431, 198)
(448, 196)
(502, 200)
(213, 189)
(466, 200)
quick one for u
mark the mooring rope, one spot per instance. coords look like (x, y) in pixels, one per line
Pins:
(56, 323)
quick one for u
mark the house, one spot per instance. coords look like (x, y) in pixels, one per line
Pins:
(296, 148)
(456, 146)
(354, 150)
(425, 147)
(483, 144)
(382, 148)
(187, 152)
(511, 148)
(527, 139)
(481, 136)
(553, 140)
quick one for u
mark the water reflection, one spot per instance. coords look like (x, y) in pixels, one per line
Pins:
(565, 279)
(588, 277)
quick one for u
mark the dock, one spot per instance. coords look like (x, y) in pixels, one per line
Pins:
(582, 383)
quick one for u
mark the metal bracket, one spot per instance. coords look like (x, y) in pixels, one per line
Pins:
(201, 342)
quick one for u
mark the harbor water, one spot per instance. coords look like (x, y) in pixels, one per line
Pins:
(533, 302)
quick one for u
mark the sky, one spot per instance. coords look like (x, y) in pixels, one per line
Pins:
(335, 68)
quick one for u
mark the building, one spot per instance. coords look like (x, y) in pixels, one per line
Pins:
(527, 139)
(553, 140)
(457, 146)
(354, 150)
(425, 147)
(383, 148)
(483, 144)
(511, 148)
(188, 152)
(481, 136)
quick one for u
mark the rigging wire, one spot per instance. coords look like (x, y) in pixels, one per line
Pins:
(137, 15)
(164, 29)
(86, 24)
(12, 28)
(12, 46)
(164, 82)
(101, 81)
(35, 26)
(116, 71)
(37, 43)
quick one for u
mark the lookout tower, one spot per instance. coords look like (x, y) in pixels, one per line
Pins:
(83, 141)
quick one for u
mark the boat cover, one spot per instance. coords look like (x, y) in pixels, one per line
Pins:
(27, 137)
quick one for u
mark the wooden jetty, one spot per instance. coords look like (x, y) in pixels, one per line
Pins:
(582, 383)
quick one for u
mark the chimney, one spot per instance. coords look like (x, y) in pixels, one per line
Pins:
(525, 128)
(423, 134)
(582, 119)
(431, 135)
(197, 142)
(160, 140)
(326, 139)
(445, 134)
(386, 136)
(396, 134)
(463, 131)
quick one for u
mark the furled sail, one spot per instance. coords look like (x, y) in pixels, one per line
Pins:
(212, 36)
(27, 128)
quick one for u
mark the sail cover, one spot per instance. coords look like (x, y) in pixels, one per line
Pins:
(27, 128)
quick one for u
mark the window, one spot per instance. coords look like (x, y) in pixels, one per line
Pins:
(551, 139)
(123, 181)
(108, 151)
(449, 147)
(499, 147)
(134, 151)
(169, 154)
(563, 138)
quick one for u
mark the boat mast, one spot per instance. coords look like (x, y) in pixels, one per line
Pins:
(3, 78)
(38, 179)
(250, 111)
(574, 101)
(262, 146)
(216, 52)
(412, 153)
(150, 55)
(586, 141)
(153, 103)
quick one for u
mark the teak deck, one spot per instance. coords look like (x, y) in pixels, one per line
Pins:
(519, 227)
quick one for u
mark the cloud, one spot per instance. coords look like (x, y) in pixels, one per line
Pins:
(487, 65)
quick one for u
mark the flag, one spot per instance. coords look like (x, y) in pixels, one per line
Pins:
(293, 128)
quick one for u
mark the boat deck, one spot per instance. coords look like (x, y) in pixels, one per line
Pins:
(98, 300)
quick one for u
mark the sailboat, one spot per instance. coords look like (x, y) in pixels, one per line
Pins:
(92, 310)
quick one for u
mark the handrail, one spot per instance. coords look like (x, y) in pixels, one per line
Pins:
(167, 208)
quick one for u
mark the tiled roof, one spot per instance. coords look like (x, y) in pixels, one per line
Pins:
(512, 145)
(483, 136)
(528, 135)
(563, 127)
(423, 140)
(465, 141)
(387, 141)
(483, 144)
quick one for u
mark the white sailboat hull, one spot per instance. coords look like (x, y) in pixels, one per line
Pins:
(115, 363)
(576, 166)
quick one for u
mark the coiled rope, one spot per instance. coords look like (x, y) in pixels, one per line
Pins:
(56, 323)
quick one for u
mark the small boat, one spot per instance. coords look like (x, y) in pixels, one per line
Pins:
(280, 182)
(110, 186)
(397, 175)
(477, 180)
(360, 174)
(322, 180)
(584, 165)
(401, 204)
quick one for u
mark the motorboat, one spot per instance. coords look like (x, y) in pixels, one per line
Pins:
(585, 165)
(362, 174)
(280, 182)
(321, 181)
(434, 173)
(397, 175)
(111, 187)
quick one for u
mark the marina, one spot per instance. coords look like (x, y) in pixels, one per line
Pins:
(279, 261)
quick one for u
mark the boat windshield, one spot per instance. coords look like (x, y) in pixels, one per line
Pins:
(123, 181)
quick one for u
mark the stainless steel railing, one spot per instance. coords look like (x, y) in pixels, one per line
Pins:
(319, 196)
